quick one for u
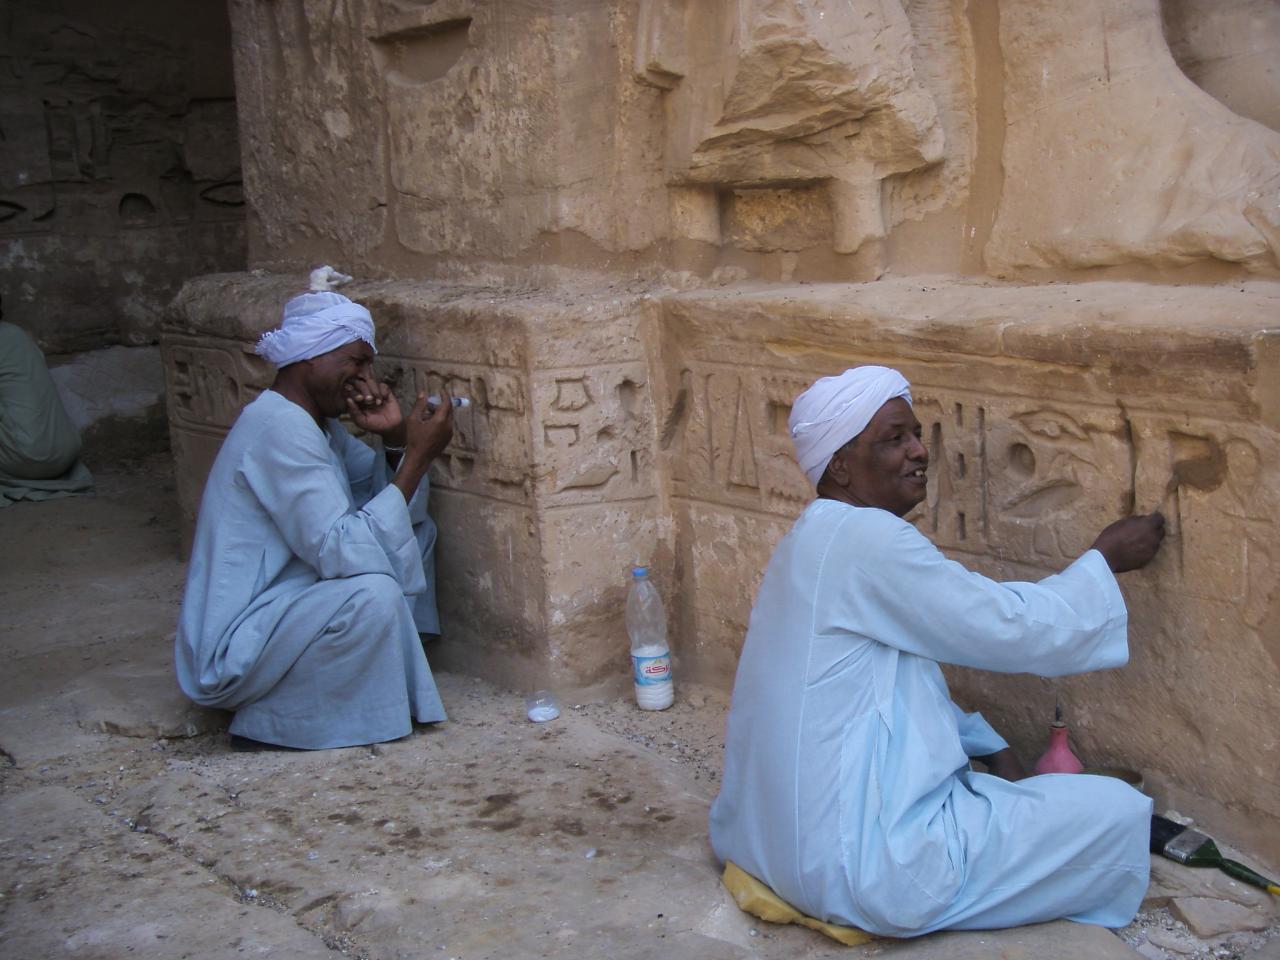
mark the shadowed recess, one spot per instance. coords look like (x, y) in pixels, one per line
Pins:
(423, 54)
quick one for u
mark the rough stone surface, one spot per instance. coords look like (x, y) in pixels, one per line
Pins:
(1230, 50)
(649, 133)
(1101, 171)
(1170, 880)
(115, 382)
(1267, 951)
(1211, 918)
(119, 165)
(1161, 932)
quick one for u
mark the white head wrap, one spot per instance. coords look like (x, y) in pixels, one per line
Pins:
(836, 409)
(315, 323)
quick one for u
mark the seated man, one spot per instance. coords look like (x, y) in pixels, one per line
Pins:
(311, 571)
(847, 786)
(39, 445)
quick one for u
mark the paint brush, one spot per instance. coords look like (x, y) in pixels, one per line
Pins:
(1192, 848)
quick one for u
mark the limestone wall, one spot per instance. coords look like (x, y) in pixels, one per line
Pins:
(633, 230)
(119, 165)
(119, 179)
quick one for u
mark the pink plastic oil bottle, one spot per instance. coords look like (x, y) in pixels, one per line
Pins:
(1059, 758)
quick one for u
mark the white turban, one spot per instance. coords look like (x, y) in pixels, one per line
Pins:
(836, 409)
(315, 323)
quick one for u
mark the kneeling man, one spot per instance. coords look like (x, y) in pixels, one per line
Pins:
(311, 574)
(847, 787)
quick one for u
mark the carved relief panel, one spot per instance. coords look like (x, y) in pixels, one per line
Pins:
(593, 433)
(1209, 481)
(1021, 480)
(210, 381)
(489, 454)
(728, 435)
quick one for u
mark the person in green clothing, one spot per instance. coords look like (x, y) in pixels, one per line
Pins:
(39, 445)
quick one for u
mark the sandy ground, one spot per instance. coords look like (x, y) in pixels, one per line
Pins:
(129, 829)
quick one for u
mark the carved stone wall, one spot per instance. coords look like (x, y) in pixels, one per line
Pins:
(119, 165)
(816, 141)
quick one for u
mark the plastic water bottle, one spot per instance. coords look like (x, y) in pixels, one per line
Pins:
(650, 656)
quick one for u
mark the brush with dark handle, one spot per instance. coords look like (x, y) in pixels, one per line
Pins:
(1191, 847)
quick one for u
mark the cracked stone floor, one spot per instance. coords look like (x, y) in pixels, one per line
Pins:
(128, 829)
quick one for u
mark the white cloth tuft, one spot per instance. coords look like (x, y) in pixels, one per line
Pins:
(836, 409)
(326, 278)
(315, 323)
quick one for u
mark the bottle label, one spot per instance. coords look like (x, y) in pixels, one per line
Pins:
(651, 670)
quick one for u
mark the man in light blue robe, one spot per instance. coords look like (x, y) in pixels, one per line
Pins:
(39, 445)
(847, 785)
(311, 573)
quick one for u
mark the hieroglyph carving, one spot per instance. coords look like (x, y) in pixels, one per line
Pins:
(489, 454)
(729, 441)
(208, 385)
(594, 440)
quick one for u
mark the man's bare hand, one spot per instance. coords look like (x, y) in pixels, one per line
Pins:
(1004, 764)
(373, 407)
(1131, 543)
(427, 431)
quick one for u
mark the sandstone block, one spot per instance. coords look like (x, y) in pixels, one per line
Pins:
(1101, 170)
(1208, 918)
(1170, 880)
(143, 702)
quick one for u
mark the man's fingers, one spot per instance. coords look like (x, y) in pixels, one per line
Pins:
(366, 391)
(419, 407)
(445, 410)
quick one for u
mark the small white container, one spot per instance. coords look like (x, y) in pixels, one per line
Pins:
(540, 706)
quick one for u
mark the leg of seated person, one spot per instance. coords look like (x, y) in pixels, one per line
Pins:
(1061, 855)
(426, 618)
(343, 666)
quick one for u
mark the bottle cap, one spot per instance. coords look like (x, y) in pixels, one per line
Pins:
(639, 571)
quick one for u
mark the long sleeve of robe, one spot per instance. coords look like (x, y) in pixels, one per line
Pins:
(305, 575)
(847, 787)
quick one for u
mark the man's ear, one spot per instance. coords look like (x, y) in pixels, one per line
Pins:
(837, 470)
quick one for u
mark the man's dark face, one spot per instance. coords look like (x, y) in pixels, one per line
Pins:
(884, 465)
(330, 375)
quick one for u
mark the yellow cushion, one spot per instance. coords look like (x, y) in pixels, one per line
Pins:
(758, 900)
